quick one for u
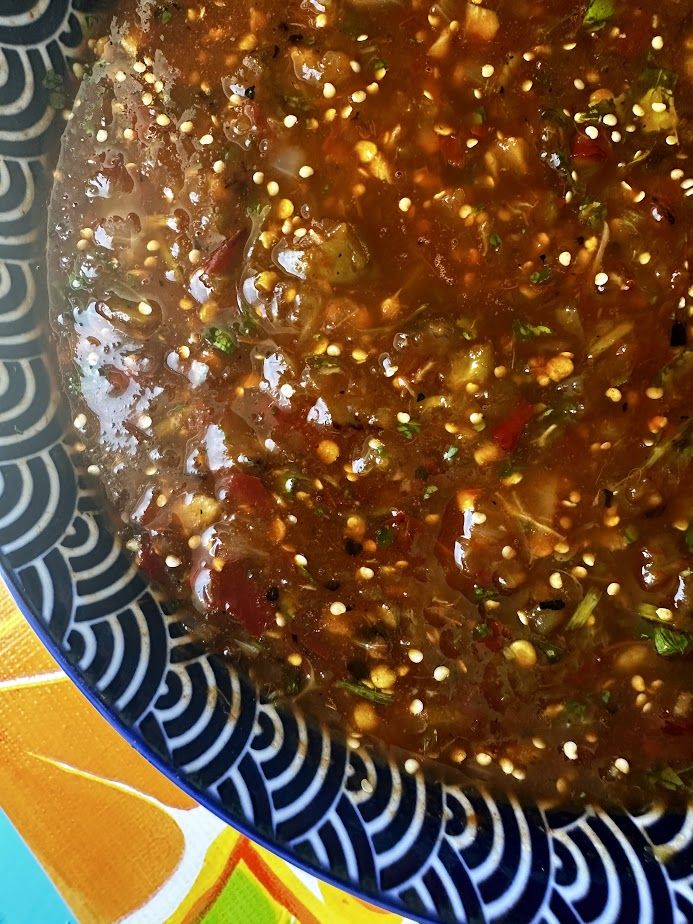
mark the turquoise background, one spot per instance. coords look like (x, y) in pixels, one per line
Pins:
(27, 896)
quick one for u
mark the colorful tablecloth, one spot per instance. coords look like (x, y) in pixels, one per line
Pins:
(117, 839)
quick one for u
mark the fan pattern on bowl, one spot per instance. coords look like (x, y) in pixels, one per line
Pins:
(430, 850)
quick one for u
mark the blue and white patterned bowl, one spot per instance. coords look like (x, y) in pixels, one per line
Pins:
(428, 849)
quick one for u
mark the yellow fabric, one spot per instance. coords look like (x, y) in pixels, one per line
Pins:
(116, 837)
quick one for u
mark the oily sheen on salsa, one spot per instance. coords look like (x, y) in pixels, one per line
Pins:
(376, 322)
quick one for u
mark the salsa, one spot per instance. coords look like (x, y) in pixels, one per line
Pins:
(376, 322)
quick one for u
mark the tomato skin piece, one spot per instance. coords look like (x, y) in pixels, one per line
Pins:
(227, 255)
(508, 431)
(248, 490)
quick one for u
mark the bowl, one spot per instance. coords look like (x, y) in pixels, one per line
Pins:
(370, 822)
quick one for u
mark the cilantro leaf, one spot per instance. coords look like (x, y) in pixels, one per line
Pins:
(481, 630)
(450, 453)
(670, 642)
(221, 339)
(484, 593)
(523, 330)
(593, 213)
(540, 276)
(598, 13)
(54, 84)
(495, 240)
(384, 536)
(409, 429)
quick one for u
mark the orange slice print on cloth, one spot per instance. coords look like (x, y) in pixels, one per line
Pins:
(120, 841)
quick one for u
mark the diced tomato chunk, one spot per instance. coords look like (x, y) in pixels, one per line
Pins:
(248, 490)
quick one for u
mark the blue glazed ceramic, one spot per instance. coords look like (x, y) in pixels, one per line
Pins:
(430, 850)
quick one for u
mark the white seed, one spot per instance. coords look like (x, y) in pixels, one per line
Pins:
(416, 707)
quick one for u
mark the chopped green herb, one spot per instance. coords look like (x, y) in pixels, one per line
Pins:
(598, 14)
(670, 642)
(523, 330)
(409, 429)
(221, 339)
(481, 630)
(494, 240)
(360, 689)
(606, 697)
(540, 276)
(574, 712)
(655, 77)
(247, 324)
(429, 491)
(666, 777)
(479, 115)
(54, 83)
(552, 652)
(630, 534)
(593, 213)
(689, 538)
(484, 593)
(450, 453)
(324, 364)
(384, 536)
(165, 15)
(584, 609)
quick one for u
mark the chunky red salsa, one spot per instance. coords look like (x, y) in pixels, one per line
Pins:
(376, 318)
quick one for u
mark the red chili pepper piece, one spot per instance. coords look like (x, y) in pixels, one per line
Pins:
(227, 255)
(507, 432)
